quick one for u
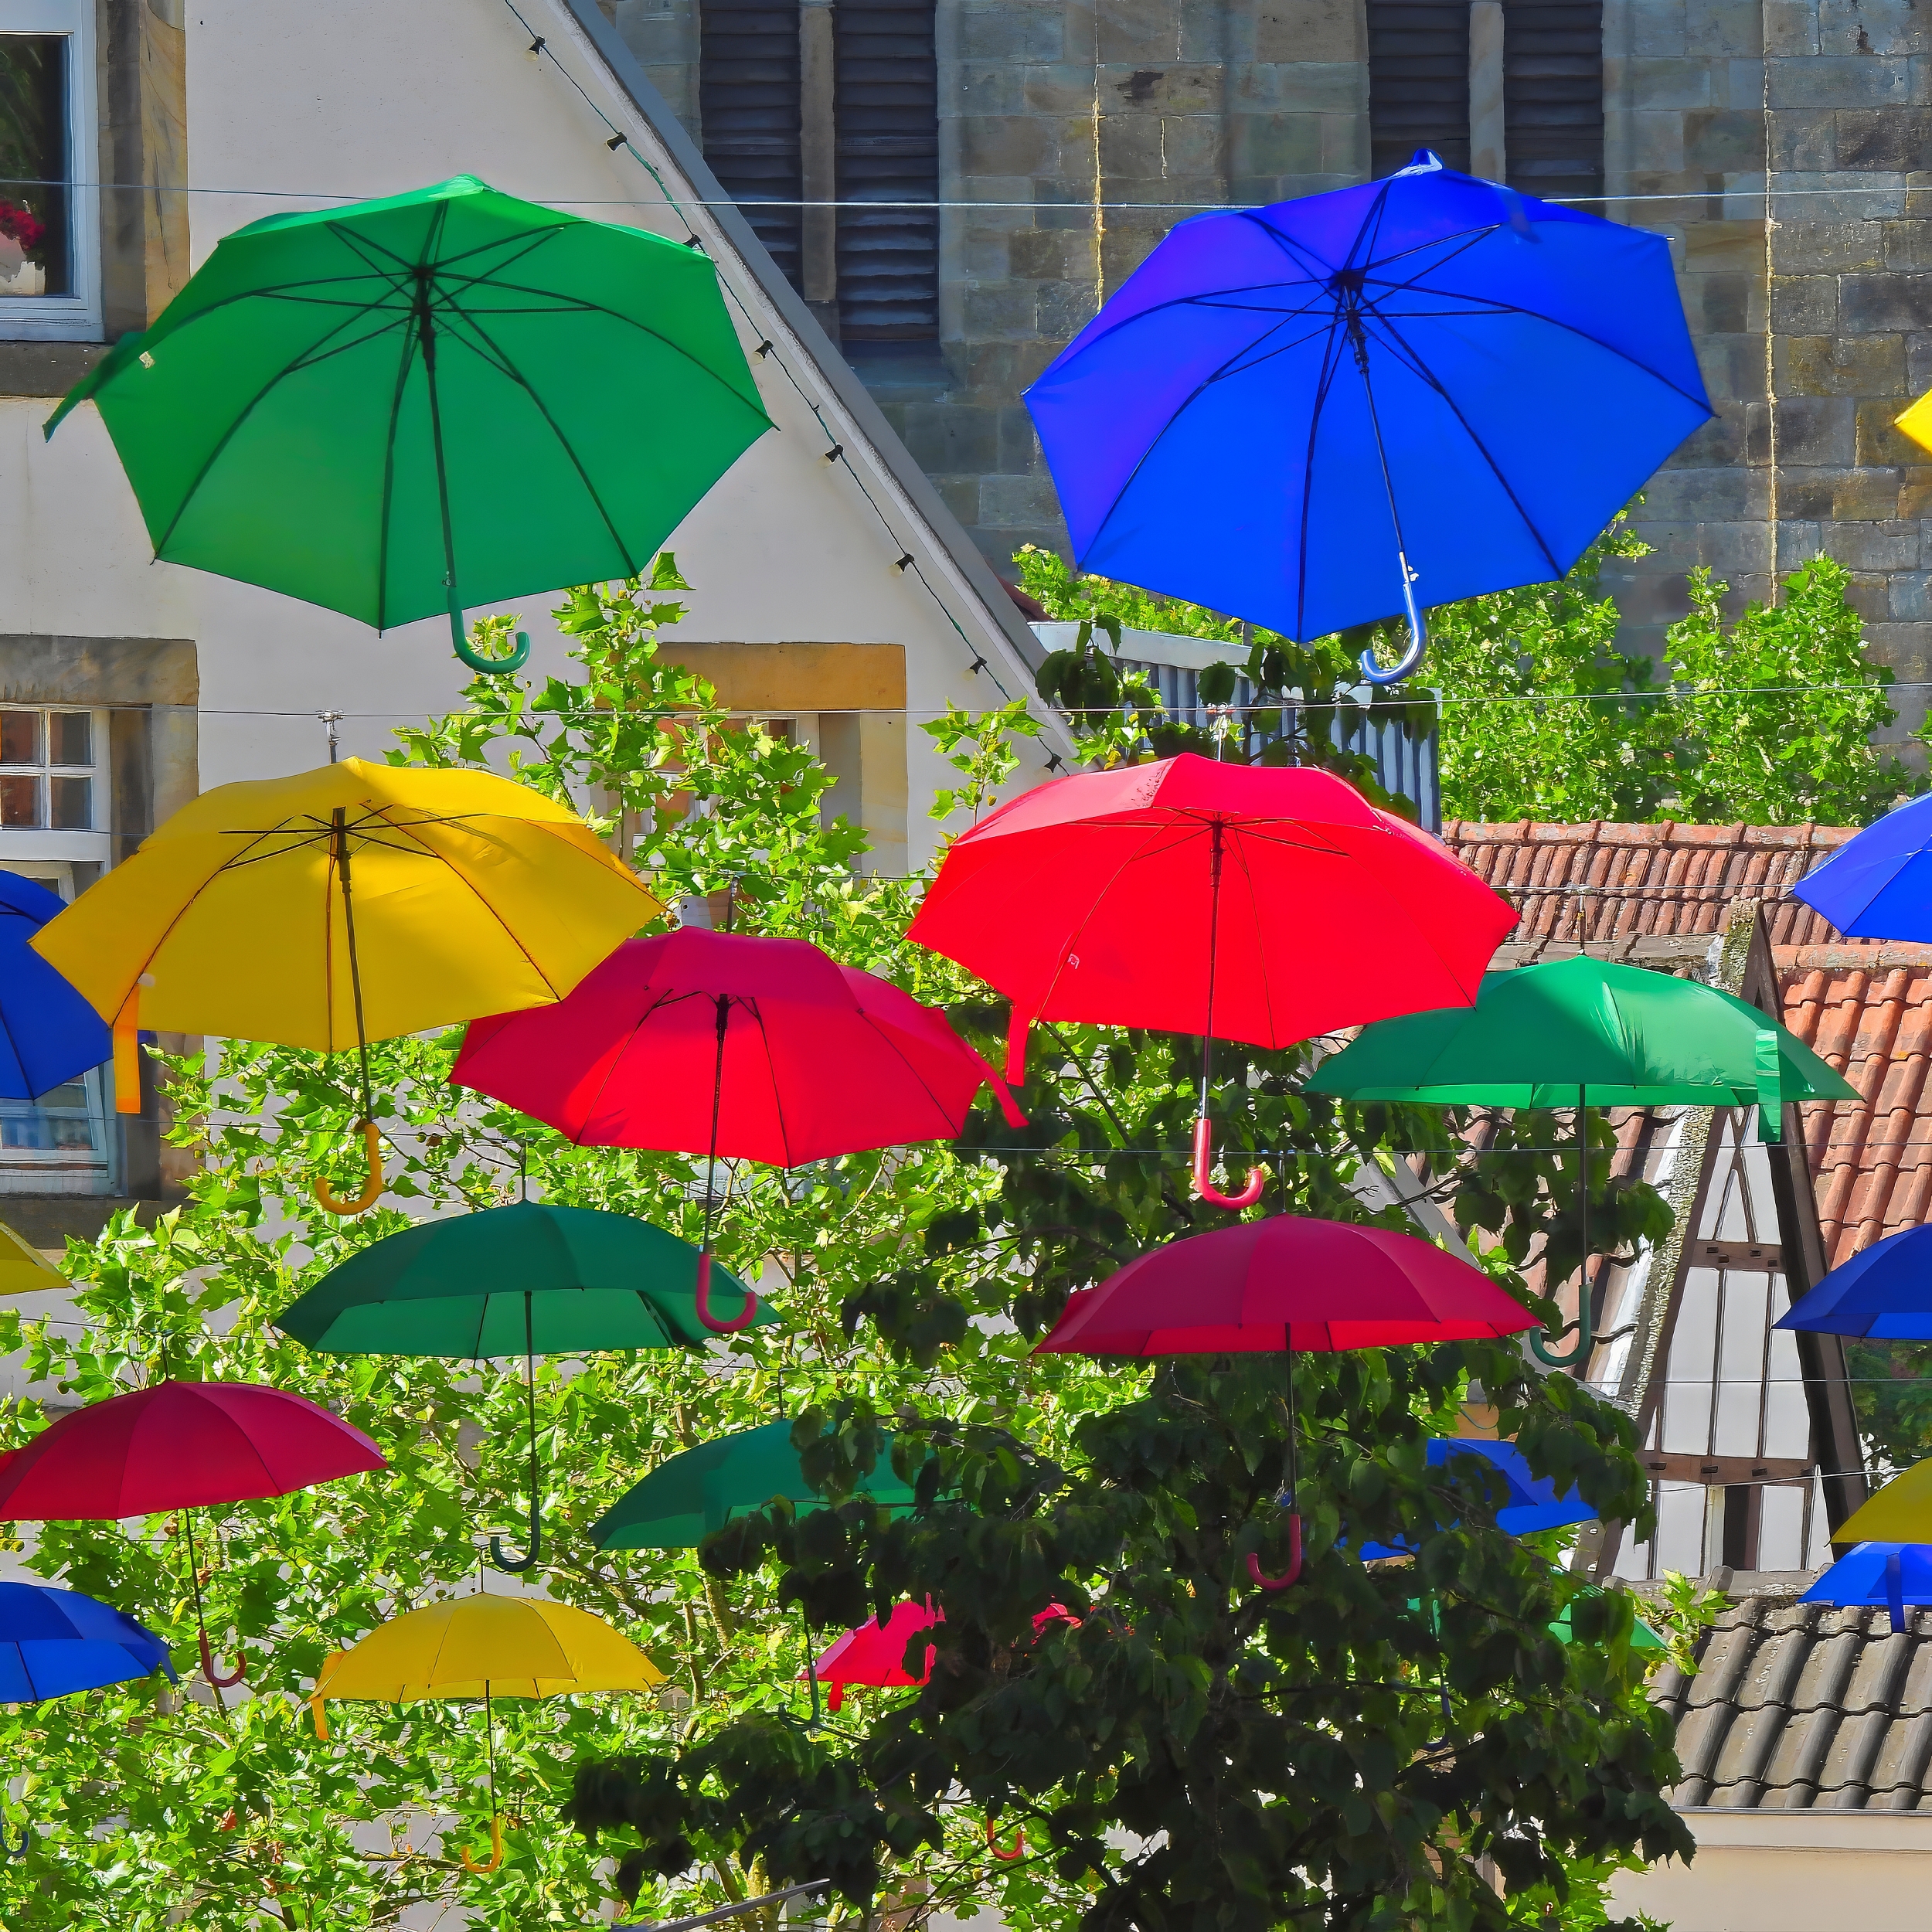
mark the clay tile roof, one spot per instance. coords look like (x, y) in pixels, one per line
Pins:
(1608, 884)
(1797, 1706)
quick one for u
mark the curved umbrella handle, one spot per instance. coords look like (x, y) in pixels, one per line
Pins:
(1204, 1159)
(514, 1566)
(489, 667)
(1411, 659)
(214, 1676)
(10, 1852)
(372, 1183)
(496, 1849)
(1005, 1857)
(1586, 1336)
(741, 1321)
(1293, 1569)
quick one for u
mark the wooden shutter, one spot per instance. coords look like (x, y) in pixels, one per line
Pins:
(1552, 59)
(748, 108)
(1418, 81)
(887, 107)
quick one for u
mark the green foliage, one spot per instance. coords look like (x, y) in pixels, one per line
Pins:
(1767, 719)
(1680, 1612)
(1277, 1757)
(1780, 708)
(1892, 1394)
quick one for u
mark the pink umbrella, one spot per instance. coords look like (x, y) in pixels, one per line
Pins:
(874, 1654)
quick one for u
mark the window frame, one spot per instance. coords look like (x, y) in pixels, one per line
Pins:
(44, 844)
(75, 317)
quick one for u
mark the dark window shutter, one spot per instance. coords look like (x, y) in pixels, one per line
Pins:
(748, 107)
(1418, 81)
(887, 95)
(1552, 59)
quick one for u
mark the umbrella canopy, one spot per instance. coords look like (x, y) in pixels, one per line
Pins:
(1524, 1504)
(1874, 1573)
(528, 1279)
(1249, 902)
(178, 1445)
(24, 1269)
(49, 1033)
(54, 1642)
(1288, 1281)
(479, 1646)
(689, 1495)
(1622, 1035)
(446, 396)
(1901, 1512)
(1563, 1627)
(513, 1280)
(807, 1059)
(874, 1654)
(1884, 1291)
(1285, 411)
(471, 894)
(1879, 885)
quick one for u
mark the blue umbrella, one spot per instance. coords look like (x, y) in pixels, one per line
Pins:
(1894, 1574)
(1884, 1291)
(1335, 409)
(48, 1032)
(1524, 1503)
(54, 1642)
(1880, 885)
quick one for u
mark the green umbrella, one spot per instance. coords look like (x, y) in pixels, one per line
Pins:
(1585, 1032)
(529, 1279)
(1641, 1636)
(368, 407)
(690, 1494)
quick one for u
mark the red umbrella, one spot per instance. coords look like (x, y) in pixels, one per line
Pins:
(1253, 903)
(1288, 1282)
(179, 1445)
(705, 1042)
(874, 1654)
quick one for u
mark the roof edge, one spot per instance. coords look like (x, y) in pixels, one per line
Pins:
(997, 608)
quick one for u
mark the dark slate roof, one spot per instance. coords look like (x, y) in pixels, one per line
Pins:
(1800, 1705)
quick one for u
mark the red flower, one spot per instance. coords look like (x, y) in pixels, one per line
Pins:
(22, 225)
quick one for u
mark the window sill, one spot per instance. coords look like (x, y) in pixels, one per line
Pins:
(45, 369)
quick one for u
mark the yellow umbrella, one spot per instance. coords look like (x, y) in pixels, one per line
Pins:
(1901, 1512)
(24, 1269)
(486, 1647)
(343, 905)
(1916, 423)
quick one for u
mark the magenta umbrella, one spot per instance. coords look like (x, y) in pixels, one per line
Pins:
(1286, 1283)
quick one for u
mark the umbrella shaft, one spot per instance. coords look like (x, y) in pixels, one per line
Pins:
(341, 820)
(426, 334)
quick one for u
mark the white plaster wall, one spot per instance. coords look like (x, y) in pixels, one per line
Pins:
(289, 101)
(1780, 1871)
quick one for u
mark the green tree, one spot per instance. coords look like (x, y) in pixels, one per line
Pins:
(1776, 711)
(910, 1283)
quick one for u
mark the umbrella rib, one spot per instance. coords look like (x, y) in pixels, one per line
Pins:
(228, 435)
(1331, 365)
(508, 933)
(1405, 352)
(610, 1072)
(631, 566)
(1198, 299)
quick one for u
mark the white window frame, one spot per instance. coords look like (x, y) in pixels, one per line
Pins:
(75, 317)
(34, 844)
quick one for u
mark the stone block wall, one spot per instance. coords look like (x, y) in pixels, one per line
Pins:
(1813, 335)
(1074, 135)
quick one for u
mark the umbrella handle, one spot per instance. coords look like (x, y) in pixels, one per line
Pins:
(489, 667)
(1293, 1569)
(496, 1849)
(741, 1321)
(515, 1565)
(371, 1184)
(214, 1676)
(1204, 1159)
(10, 1852)
(1005, 1857)
(1411, 659)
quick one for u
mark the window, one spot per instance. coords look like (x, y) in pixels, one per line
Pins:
(47, 774)
(1418, 81)
(1552, 89)
(50, 248)
(871, 138)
